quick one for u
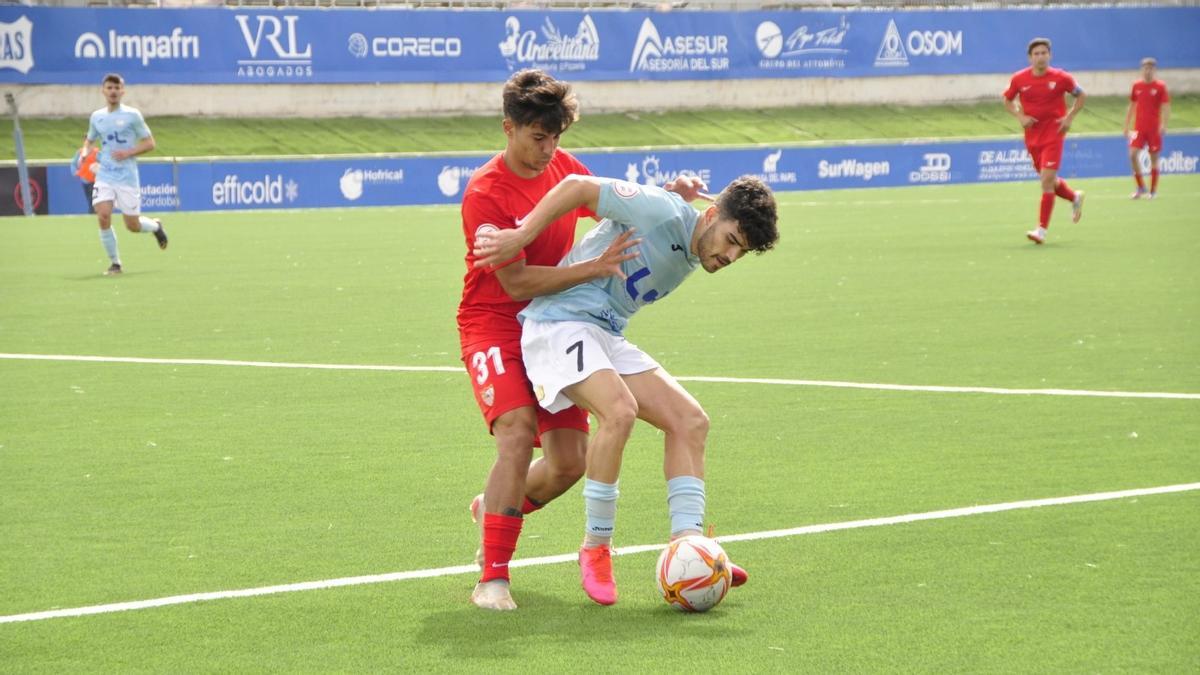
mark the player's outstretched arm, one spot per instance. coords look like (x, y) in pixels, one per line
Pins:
(493, 248)
(524, 282)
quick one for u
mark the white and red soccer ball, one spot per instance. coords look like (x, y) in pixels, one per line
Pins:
(693, 574)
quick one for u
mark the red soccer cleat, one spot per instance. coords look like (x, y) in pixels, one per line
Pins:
(738, 575)
(595, 568)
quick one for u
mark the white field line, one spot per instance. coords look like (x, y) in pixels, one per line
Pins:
(694, 378)
(570, 557)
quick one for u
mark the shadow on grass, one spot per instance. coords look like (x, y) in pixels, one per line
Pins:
(545, 620)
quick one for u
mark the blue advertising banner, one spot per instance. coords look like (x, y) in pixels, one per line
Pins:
(207, 186)
(48, 45)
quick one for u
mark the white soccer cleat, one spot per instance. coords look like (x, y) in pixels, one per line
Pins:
(476, 509)
(1138, 193)
(1077, 207)
(493, 594)
(1037, 236)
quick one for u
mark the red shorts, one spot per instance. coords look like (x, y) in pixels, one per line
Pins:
(1047, 153)
(1146, 139)
(498, 377)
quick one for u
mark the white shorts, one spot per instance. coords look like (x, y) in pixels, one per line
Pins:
(126, 199)
(561, 353)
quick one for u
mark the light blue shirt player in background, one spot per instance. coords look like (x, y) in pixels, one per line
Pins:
(122, 135)
(574, 350)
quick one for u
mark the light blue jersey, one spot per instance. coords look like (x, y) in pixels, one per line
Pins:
(664, 223)
(117, 130)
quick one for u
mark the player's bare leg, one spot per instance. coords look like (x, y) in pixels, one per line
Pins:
(609, 400)
(503, 495)
(563, 461)
(1136, 167)
(664, 403)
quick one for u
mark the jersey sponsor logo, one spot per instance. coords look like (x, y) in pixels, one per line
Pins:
(649, 171)
(145, 48)
(935, 170)
(894, 51)
(450, 178)
(853, 168)
(553, 51)
(802, 48)
(270, 190)
(625, 189)
(16, 45)
(397, 46)
(276, 52)
(353, 180)
(678, 53)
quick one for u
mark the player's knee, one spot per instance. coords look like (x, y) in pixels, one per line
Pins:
(619, 415)
(133, 226)
(515, 434)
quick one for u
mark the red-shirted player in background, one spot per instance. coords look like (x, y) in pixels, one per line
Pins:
(537, 110)
(1152, 103)
(1043, 114)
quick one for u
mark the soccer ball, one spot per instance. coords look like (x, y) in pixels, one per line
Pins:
(693, 573)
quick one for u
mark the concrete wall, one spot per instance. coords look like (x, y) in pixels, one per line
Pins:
(397, 100)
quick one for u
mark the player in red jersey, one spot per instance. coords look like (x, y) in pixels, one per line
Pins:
(1150, 100)
(537, 110)
(1044, 116)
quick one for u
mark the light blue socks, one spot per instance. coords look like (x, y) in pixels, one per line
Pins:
(685, 501)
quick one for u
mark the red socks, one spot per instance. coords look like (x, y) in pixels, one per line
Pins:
(1063, 190)
(499, 543)
(1047, 208)
(1153, 179)
(530, 506)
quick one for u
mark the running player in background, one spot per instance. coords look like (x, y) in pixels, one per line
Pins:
(1152, 105)
(1044, 116)
(122, 135)
(576, 355)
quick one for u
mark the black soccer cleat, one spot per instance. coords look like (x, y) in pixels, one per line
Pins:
(160, 235)
(113, 270)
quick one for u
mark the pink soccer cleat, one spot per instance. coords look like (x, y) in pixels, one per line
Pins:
(1036, 237)
(595, 568)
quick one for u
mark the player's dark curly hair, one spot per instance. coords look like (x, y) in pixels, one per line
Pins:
(534, 97)
(749, 202)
